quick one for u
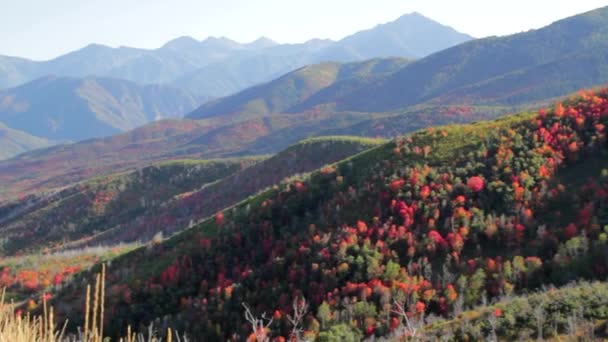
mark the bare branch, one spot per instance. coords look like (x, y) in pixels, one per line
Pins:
(412, 324)
(258, 325)
(539, 315)
(300, 309)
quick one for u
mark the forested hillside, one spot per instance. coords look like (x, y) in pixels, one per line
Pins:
(443, 220)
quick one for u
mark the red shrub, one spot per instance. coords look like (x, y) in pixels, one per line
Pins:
(475, 183)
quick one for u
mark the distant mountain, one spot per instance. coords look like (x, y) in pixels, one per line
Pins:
(219, 66)
(411, 36)
(560, 58)
(240, 72)
(15, 71)
(211, 68)
(62, 108)
(294, 88)
(500, 71)
(162, 65)
(15, 142)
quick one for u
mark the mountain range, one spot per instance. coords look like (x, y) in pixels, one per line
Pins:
(381, 97)
(187, 61)
(98, 90)
(507, 71)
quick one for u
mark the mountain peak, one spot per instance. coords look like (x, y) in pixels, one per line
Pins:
(261, 43)
(414, 15)
(95, 47)
(220, 42)
(181, 43)
(413, 19)
(221, 39)
(412, 36)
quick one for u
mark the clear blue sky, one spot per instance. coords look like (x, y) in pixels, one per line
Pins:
(42, 29)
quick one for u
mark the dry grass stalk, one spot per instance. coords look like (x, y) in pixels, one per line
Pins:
(17, 328)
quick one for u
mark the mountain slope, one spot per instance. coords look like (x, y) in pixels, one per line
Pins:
(74, 109)
(294, 88)
(15, 142)
(549, 313)
(410, 36)
(445, 219)
(240, 72)
(577, 70)
(86, 209)
(162, 198)
(161, 140)
(15, 71)
(198, 204)
(499, 71)
(520, 60)
(66, 164)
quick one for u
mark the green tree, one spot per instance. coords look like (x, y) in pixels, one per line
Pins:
(391, 271)
(340, 332)
(324, 314)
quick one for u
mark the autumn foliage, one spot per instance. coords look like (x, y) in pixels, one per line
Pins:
(436, 228)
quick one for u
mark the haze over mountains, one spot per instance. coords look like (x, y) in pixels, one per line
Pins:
(506, 71)
(286, 94)
(15, 142)
(65, 108)
(190, 72)
(411, 36)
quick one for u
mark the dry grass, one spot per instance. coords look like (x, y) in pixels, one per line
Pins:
(18, 328)
(15, 327)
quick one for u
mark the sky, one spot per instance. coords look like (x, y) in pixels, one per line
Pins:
(43, 29)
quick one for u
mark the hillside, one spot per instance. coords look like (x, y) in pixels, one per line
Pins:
(61, 108)
(62, 165)
(190, 207)
(26, 277)
(162, 198)
(445, 219)
(89, 208)
(536, 315)
(218, 137)
(294, 88)
(15, 142)
(14, 71)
